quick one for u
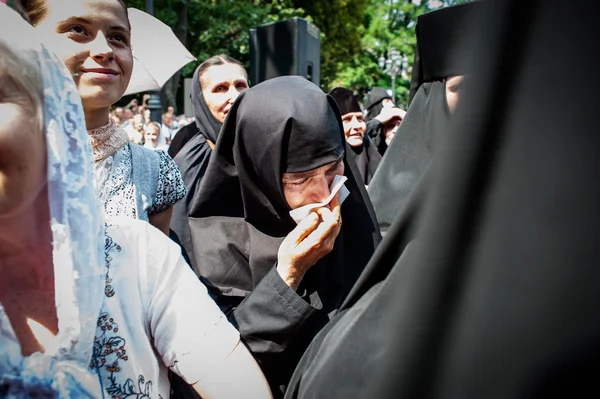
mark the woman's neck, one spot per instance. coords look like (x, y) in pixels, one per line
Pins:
(95, 118)
(26, 246)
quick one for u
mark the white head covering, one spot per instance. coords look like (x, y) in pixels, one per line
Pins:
(77, 233)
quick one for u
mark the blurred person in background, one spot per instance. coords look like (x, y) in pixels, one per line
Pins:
(135, 130)
(127, 115)
(383, 118)
(152, 133)
(362, 151)
(119, 114)
(167, 127)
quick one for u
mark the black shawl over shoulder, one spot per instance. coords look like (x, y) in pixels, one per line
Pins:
(366, 157)
(410, 152)
(240, 216)
(438, 56)
(192, 160)
(487, 285)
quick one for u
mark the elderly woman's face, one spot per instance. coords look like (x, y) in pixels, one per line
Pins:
(221, 85)
(354, 128)
(22, 149)
(93, 39)
(303, 188)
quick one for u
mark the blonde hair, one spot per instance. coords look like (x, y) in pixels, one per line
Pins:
(154, 125)
(20, 67)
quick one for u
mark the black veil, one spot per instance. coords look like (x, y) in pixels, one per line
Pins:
(191, 152)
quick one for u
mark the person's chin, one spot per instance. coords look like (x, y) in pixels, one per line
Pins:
(355, 141)
(94, 98)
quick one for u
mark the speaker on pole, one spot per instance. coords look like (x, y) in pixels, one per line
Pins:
(288, 47)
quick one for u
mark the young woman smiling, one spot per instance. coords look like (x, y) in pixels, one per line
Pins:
(92, 37)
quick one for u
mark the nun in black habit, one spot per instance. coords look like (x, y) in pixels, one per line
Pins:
(499, 294)
(437, 70)
(383, 118)
(192, 159)
(240, 216)
(359, 146)
(375, 102)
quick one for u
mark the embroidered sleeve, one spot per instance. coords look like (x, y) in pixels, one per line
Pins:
(170, 185)
(190, 332)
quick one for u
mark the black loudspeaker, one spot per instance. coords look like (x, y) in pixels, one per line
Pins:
(288, 47)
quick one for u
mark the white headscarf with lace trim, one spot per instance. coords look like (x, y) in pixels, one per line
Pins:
(77, 233)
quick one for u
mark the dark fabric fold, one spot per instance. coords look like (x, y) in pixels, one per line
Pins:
(410, 152)
(366, 157)
(487, 284)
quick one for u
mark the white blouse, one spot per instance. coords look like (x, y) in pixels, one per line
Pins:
(117, 187)
(156, 315)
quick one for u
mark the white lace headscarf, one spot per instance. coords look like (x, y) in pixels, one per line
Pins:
(77, 227)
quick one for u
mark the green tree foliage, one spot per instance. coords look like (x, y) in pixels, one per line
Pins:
(387, 24)
(341, 25)
(220, 26)
(354, 34)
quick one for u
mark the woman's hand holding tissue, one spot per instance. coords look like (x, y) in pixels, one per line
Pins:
(311, 240)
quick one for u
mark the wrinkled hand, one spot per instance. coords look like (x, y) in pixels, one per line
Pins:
(388, 114)
(311, 240)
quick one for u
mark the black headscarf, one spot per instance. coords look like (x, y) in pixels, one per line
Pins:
(498, 296)
(365, 156)
(240, 216)
(374, 103)
(376, 131)
(192, 161)
(428, 116)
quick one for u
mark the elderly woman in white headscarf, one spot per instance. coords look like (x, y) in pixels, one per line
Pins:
(88, 309)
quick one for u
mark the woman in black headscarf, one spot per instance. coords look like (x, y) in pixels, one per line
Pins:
(376, 100)
(362, 151)
(216, 84)
(383, 118)
(272, 151)
(437, 76)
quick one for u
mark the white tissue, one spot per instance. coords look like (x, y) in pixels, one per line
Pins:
(299, 214)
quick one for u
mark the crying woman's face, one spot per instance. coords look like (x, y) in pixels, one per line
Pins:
(303, 188)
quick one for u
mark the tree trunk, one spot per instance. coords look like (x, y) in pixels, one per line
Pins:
(169, 90)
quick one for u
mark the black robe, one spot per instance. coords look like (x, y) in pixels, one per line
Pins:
(366, 158)
(183, 135)
(240, 217)
(410, 152)
(192, 160)
(440, 53)
(487, 284)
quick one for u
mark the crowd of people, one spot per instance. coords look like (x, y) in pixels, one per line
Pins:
(135, 119)
(290, 243)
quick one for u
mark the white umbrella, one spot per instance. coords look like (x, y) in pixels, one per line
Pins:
(157, 52)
